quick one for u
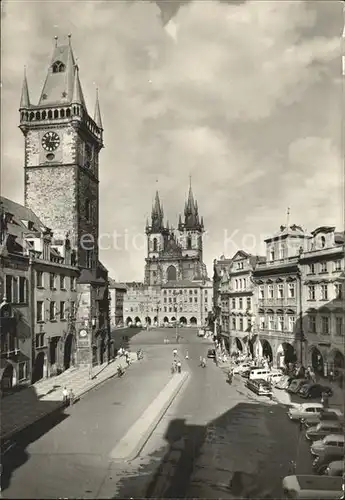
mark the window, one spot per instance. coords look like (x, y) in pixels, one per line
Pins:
(39, 311)
(291, 323)
(311, 269)
(40, 340)
(270, 292)
(89, 259)
(205, 292)
(22, 290)
(189, 243)
(282, 252)
(312, 324)
(272, 254)
(236, 284)
(52, 279)
(311, 292)
(233, 303)
(195, 292)
(62, 282)
(195, 299)
(190, 292)
(206, 299)
(261, 292)
(58, 67)
(241, 324)
(249, 303)
(39, 279)
(323, 267)
(22, 371)
(72, 310)
(325, 325)
(73, 282)
(280, 291)
(281, 325)
(190, 299)
(174, 300)
(323, 241)
(324, 292)
(154, 274)
(155, 244)
(165, 300)
(62, 310)
(240, 300)
(8, 286)
(339, 325)
(52, 310)
(338, 291)
(165, 309)
(337, 265)
(170, 300)
(233, 323)
(292, 290)
(271, 323)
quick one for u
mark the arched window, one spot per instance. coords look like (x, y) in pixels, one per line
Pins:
(38, 115)
(171, 273)
(50, 115)
(323, 241)
(56, 113)
(62, 113)
(189, 242)
(58, 67)
(155, 244)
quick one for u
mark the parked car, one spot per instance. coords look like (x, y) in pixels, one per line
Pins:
(296, 384)
(284, 382)
(211, 353)
(304, 410)
(315, 391)
(259, 386)
(259, 374)
(201, 333)
(322, 461)
(242, 368)
(329, 415)
(330, 443)
(275, 377)
(245, 374)
(322, 430)
(316, 487)
(335, 468)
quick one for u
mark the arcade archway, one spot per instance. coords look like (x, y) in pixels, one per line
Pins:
(238, 344)
(39, 367)
(148, 320)
(267, 350)
(193, 320)
(137, 320)
(286, 355)
(173, 319)
(183, 320)
(166, 319)
(129, 321)
(8, 376)
(67, 354)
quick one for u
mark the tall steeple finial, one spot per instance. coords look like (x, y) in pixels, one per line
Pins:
(56, 40)
(190, 181)
(287, 218)
(25, 99)
(69, 38)
(97, 116)
(77, 96)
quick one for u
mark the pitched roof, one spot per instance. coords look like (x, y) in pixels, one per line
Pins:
(23, 219)
(182, 284)
(116, 285)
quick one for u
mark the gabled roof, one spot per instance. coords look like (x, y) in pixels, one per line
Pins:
(21, 217)
(115, 285)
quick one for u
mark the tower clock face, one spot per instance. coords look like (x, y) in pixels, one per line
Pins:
(50, 141)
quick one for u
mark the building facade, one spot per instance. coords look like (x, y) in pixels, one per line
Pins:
(62, 146)
(117, 292)
(174, 255)
(38, 280)
(322, 270)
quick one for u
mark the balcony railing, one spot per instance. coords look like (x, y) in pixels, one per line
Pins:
(284, 302)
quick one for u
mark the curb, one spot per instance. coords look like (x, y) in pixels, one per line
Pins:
(148, 433)
(59, 406)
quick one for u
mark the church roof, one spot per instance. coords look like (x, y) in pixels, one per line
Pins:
(182, 284)
(62, 81)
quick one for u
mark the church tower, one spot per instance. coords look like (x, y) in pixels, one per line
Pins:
(191, 231)
(62, 145)
(156, 240)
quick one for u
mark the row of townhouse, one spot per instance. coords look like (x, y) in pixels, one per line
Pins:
(45, 300)
(187, 301)
(289, 304)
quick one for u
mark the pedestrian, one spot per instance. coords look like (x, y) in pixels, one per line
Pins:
(179, 366)
(187, 355)
(175, 353)
(204, 362)
(65, 395)
(173, 367)
(230, 376)
(128, 361)
(200, 361)
(71, 397)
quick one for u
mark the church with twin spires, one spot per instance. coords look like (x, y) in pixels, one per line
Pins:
(174, 255)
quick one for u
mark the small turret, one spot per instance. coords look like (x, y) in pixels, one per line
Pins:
(97, 115)
(25, 99)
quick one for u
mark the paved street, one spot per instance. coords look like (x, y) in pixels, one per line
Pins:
(210, 431)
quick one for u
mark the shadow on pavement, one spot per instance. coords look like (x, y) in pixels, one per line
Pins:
(122, 337)
(195, 455)
(13, 444)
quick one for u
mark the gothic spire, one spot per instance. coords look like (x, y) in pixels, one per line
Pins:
(25, 99)
(77, 96)
(97, 116)
(58, 88)
(157, 214)
(191, 210)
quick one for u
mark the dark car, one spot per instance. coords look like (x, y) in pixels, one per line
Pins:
(321, 464)
(211, 353)
(315, 391)
(330, 415)
(296, 385)
(245, 374)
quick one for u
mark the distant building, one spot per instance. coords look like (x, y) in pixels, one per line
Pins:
(38, 280)
(117, 292)
(322, 270)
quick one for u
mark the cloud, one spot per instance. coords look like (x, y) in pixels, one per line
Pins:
(243, 96)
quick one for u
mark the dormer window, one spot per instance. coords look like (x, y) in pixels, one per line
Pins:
(323, 242)
(58, 67)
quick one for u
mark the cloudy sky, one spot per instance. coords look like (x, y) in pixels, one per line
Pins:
(244, 96)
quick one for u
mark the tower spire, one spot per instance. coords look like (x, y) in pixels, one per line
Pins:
(287, 218)
(25, 99)
(77, 96)
(97, 115)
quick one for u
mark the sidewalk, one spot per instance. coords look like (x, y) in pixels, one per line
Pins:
(22, 409)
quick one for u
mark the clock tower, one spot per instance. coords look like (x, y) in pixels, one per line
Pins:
(62, 145)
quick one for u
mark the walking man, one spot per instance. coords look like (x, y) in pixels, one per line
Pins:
(179, 366)
(175, 353)
(187, 355)
(65, 395)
